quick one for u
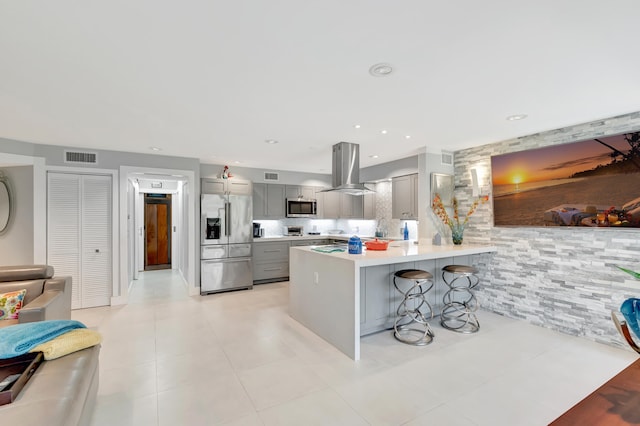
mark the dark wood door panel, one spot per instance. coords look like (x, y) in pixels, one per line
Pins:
(162, 218)
(157, 233)
(151, 225)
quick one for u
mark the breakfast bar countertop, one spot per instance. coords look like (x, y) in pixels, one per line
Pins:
(405, 251)
(272, 238)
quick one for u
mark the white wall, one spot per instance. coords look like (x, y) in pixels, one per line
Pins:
(16, 245)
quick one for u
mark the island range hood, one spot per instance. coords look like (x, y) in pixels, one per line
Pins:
(346, 170)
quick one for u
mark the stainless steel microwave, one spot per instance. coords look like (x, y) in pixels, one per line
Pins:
(297, 207)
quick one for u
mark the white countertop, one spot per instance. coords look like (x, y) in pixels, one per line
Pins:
(403, 251)
(344, 237)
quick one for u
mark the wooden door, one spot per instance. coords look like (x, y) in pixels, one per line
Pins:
(157, 224)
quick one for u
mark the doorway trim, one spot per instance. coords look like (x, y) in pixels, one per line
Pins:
(168, 205)
(129, 172)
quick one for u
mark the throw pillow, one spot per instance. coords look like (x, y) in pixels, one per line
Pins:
(10, 304)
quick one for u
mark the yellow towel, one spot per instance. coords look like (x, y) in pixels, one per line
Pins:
(68, 342)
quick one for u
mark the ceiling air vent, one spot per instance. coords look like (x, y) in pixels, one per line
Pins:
(271, 176)
(78, 157)
(447, 158)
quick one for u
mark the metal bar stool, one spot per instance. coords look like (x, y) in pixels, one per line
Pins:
(411, 326)
(460, 303)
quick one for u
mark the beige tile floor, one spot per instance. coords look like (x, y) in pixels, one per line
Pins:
(238, 359)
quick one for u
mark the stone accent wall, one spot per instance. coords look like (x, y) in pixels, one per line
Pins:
(555, 277)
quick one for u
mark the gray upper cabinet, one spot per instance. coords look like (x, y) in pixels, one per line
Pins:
(369, 206)
(338, 205)
(351, 206)
(225, 186)
(404, 195)
(239, 187)
(330, 205)
(297, 191)
(319, 197)
(213, 186)
(268, 201)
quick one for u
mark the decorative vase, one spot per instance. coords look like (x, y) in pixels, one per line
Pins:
(457, 232)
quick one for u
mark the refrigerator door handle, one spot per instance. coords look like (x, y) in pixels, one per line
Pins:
(222, 214)
(227, 209)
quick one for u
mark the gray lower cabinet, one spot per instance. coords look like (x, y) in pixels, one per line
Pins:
(379, 299)
(270, 261)
(376, 299)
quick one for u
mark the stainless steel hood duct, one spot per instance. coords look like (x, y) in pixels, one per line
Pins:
(346, 170)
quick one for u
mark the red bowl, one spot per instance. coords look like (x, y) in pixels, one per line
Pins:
(376, 244)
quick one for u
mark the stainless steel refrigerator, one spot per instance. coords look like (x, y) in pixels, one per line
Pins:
(226, 235)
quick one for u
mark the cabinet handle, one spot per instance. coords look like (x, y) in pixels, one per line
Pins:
(272, 269)
(272, 251)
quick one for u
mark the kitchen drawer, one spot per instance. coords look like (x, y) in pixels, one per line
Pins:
(268, 271)
(269, 252)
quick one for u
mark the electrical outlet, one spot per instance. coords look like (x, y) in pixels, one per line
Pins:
(316, 278)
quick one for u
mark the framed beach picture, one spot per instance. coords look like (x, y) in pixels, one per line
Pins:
(590, 183)
(442, 184)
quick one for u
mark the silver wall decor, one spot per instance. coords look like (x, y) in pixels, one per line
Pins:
(6, 203)
(442, 184)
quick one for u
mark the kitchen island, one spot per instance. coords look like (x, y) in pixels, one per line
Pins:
(341, 296)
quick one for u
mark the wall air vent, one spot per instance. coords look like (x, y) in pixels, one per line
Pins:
(78, 157)
(447, 158)
(271, 176)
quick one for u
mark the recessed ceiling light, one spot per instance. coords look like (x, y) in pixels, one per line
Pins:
(516, 117)
(237, 162)
(381, 70)
(271, 141)
(373, 156)
(155, 148)
(384, 132)
(407, 137)
(357, 126)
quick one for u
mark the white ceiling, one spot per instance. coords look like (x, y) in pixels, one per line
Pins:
(214, 79)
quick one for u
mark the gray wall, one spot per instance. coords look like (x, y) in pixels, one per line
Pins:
(556, 277)
(54, 156)
(402, 167)
(16, 245)
(257, 175)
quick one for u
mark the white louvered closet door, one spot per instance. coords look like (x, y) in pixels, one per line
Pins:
(79, 235)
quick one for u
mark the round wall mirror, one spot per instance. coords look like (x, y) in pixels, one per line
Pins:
(6, 203)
